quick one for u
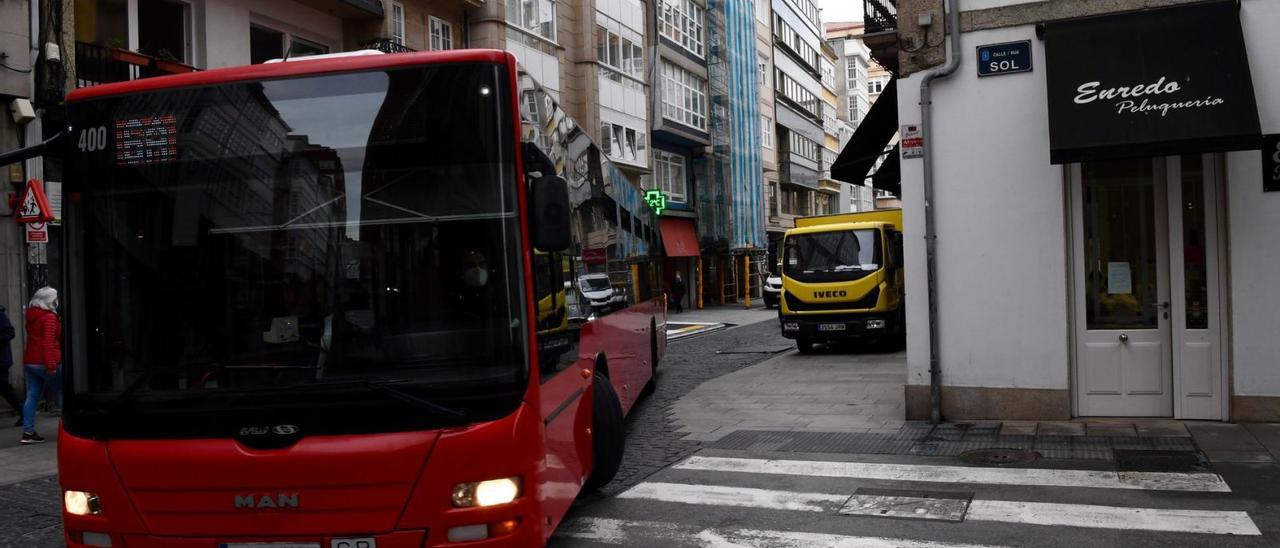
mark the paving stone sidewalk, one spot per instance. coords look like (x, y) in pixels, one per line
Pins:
(847, 401)
(835, 391)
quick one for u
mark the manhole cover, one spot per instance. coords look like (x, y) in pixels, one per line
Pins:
(924, 505)
(999, 457)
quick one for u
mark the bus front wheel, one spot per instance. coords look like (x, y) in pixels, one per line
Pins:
(608, 436)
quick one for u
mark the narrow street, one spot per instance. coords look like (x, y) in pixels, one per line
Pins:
(745, 442)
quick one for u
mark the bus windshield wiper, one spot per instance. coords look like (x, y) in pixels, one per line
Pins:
(386, 388)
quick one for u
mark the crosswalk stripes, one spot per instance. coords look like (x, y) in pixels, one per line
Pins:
(1091, 516)
(822, 489)
(654, 533)
(1040, 477)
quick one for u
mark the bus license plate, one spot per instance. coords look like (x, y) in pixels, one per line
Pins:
(831, 327)
(269, 545)
(368, 542)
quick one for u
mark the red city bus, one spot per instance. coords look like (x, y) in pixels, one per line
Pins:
(339, 302)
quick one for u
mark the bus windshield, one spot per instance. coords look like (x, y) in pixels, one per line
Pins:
(832, 256)
(296, 251)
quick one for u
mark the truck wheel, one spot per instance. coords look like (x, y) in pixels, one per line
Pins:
(805, 345)
(608, 436)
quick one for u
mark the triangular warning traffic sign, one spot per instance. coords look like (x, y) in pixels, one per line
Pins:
(34, 205)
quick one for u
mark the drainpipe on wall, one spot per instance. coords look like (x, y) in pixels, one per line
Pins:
(930, 237)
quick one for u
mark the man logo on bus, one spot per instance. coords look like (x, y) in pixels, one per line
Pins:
(279, 500)
(657, 199)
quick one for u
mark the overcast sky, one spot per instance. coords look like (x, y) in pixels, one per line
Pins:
(840, 10)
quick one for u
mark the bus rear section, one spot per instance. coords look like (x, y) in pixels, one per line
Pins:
(842, 279)
(309, 304)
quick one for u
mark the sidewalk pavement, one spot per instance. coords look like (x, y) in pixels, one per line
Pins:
(19, 462)
(853, 402)
(832, 392)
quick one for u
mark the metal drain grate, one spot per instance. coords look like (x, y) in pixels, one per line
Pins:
(893, 503)
(1160, 461)
(999, 457)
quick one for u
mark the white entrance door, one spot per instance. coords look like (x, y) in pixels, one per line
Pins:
(1146, 288)
(1199, 382)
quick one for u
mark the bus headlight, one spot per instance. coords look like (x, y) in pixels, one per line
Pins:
(81, 503)
(790, 326)
(875, 324)
(486, 493)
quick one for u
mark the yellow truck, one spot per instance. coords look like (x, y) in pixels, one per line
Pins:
(842, 279)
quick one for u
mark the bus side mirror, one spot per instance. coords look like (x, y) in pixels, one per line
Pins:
(550, 219)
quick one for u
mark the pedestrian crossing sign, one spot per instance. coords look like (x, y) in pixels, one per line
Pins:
(34, 205)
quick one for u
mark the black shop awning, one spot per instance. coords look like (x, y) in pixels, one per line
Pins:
(889, 175)
(869, 139)
(1149, 83)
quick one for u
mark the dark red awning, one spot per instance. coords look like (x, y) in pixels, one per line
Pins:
(679, 237)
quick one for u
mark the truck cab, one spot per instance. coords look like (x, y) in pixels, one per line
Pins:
(842, 279)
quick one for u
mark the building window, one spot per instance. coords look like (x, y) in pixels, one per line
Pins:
(810, 11)
(164, 29)
(441, 33)
(265, 44)
(622, 143)
(801, 50)
(766, 131)
(669, 169)
(397, 22)
(772, 190)
(803, 147)
(797, 94)
(684, 97)
(302, 48)
(877, 85)
(534, 16)
(623, 55)
(681, 21)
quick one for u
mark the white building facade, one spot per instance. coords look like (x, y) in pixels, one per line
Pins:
(1105, 243)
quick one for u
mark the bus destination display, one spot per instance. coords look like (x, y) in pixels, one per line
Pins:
(146, 140)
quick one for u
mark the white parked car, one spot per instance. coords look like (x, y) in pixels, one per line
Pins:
(772, 290)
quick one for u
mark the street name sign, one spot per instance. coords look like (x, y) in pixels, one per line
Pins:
(1005, 58)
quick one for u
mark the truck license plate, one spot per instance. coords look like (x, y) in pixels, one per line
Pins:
(831, 327)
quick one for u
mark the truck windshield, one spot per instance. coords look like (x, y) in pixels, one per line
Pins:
(832, 256)
(232, 244)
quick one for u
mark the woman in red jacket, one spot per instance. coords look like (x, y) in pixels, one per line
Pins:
(42, 357)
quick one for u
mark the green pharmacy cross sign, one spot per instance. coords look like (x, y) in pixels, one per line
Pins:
(656, 199)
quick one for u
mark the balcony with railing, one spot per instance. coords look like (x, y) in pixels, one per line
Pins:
(880, 25)
(879, 15)
(97, 64)
(387, 45)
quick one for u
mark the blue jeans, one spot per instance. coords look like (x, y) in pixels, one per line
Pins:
(37, 378)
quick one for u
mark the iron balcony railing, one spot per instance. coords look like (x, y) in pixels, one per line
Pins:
(879, 15)
(97, 64)
(387, 45)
